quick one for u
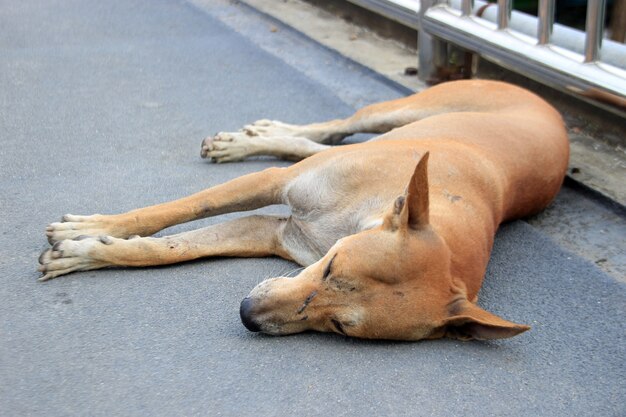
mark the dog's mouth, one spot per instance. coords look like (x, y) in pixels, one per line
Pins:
(278, 306)
(269, 322)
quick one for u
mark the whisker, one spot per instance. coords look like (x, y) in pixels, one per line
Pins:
(295, 272)
(271, 274)
(280, 271)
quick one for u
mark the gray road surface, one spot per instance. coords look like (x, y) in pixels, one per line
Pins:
(102, 109)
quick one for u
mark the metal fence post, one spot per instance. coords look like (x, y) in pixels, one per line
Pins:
(594, 27)
(432, 52)
(438, 60)
(546, 21)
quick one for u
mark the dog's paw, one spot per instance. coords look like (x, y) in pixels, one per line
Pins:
(209, 143)
(72, 226)
(71, 255)
(266, 127)
(228, 147)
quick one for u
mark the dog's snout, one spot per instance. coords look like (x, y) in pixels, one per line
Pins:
(245, 311)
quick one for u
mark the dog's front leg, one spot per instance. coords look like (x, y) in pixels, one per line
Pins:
(248, 192)
(252, 236)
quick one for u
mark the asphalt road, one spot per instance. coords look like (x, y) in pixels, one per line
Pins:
(102, 109)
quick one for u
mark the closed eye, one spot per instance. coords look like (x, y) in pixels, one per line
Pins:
(328, 268)
(338, 326)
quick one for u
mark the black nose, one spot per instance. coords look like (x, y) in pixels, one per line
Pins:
(246, 317)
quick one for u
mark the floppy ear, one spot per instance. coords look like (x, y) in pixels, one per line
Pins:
(416, 203)
(472, 322)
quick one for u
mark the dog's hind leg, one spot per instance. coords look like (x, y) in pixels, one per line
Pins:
(330, 132)
(252, 236)
(248, 192)
(296, 142)
(236, 146)
(459, 96)
(375, 118)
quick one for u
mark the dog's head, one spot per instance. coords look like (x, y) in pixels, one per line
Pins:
(391, 282)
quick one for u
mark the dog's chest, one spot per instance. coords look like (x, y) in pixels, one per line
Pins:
(328, 206)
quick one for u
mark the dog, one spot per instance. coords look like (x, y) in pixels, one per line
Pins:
(395, 233)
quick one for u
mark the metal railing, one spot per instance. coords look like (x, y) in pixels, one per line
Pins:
(580, 63)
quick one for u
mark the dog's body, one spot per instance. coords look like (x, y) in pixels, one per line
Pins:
(409, 267)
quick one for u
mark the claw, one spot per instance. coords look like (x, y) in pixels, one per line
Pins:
(203, 148)
(224, 137)
(250, 130)
(105, 239)
(45, 278)
(206, 147)
(41, 257)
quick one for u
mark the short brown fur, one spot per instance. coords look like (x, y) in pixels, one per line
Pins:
(396, 233)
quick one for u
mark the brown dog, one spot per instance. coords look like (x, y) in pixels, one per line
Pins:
(396, 232)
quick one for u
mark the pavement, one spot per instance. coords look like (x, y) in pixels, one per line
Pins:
(102, 109)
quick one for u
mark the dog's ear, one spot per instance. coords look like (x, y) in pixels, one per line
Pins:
(472, 322)
(416, 203)
(411, 209)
